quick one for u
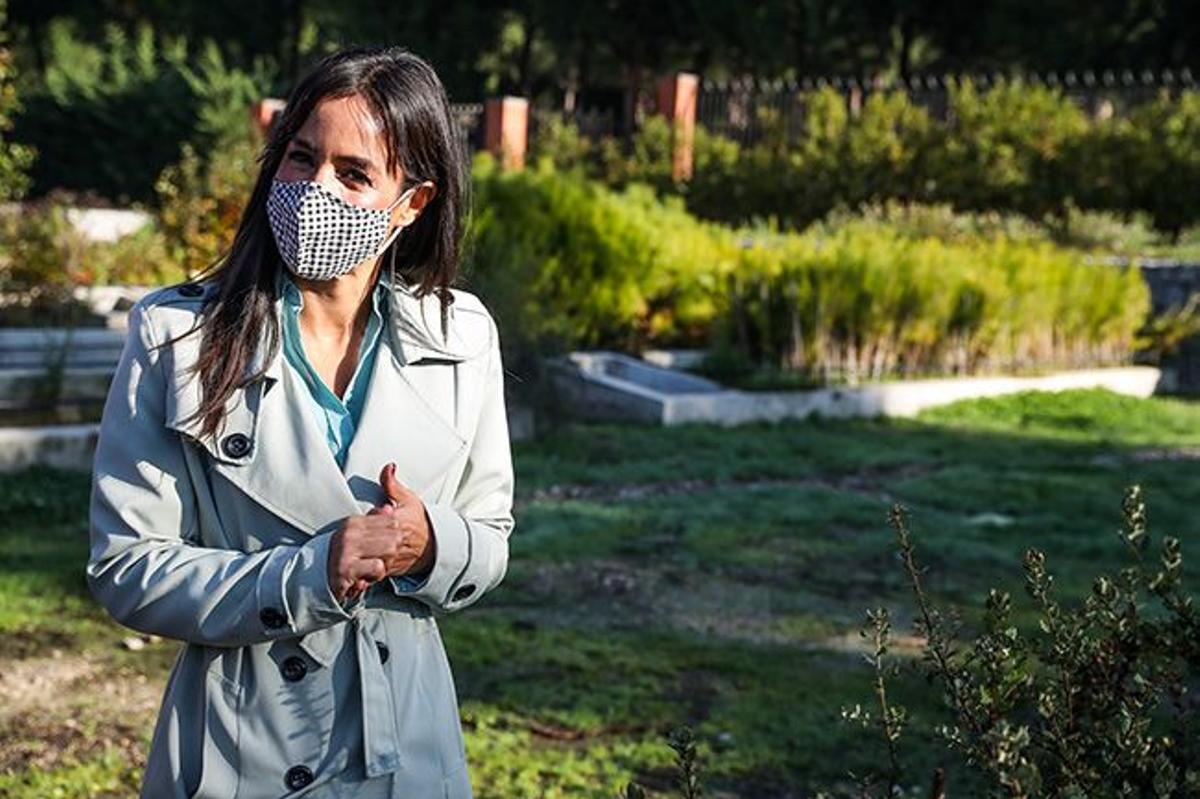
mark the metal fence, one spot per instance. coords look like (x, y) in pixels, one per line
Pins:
(732, 108)
(592, 123)
(468, 119)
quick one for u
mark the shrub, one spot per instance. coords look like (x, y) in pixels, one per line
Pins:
(1014, 147)
(200, 201)
(1093, 703)
(865, 299)
(34, 283)
(1163, 146)
(1005, 148)
(43, 256)
(569, 263)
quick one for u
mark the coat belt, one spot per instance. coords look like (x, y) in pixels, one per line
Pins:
(380, 734)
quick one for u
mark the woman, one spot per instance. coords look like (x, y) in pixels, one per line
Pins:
(303, 461)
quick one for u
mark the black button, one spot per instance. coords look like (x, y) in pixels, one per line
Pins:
(294, 669)
(191, 290)
(236, 445)
(272, 617)
(463, 592)
(298, 777)
(383, 651)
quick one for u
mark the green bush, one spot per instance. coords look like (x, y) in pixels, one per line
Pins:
(1162, 148)
(43, 256)
(1006, 148)
(108, 118)
(570, 263)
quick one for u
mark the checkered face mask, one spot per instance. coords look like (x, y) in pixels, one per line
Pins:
(320, 236)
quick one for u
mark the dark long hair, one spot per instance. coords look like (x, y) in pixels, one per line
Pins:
(407, 98)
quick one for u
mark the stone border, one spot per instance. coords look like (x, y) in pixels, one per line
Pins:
(612, 386)
(65, 446)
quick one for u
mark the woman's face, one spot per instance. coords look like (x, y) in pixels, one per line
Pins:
(341, 146)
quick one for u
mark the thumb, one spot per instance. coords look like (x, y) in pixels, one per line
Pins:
(393, 489)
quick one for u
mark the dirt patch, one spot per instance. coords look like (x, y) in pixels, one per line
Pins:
(619, 594)
(868, 482)
(33, 643)
(71, 707)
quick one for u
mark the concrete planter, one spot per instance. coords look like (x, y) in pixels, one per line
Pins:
(613, 386)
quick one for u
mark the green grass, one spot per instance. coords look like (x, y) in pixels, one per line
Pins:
(711, 576)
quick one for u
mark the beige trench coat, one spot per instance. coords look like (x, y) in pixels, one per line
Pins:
(222, 543)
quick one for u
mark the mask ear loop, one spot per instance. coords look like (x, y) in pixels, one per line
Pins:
(395, 233)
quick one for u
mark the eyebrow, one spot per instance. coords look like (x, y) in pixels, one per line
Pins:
(356, 161)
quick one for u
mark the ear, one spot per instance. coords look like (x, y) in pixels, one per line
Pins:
(407, 212)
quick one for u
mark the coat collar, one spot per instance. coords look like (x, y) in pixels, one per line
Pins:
(413, 325)
(269, 444)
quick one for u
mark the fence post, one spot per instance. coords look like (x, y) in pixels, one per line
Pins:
(506, 129)
(263, 113)
(677, 102)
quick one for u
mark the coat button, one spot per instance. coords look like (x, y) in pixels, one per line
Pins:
(383, 651)
(191, 290)
(294, 669)
(272, 617)
(236, 445)
(298, 777)
(463, 592)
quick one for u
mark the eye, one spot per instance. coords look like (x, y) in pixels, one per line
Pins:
(300, 157)
(357, 176)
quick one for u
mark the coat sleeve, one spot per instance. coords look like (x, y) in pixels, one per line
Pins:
(471, 532)
(144, 566)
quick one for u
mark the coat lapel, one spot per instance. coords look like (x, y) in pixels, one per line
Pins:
(288, 467)
(404, 421)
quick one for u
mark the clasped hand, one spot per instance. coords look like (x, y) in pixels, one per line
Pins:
(389, 540)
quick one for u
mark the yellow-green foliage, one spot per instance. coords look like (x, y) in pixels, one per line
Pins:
(40, 251)
(864, 300)
(568, 263)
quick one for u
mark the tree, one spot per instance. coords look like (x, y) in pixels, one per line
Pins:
(15, 159)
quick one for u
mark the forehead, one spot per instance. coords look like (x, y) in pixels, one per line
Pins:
(346, 126)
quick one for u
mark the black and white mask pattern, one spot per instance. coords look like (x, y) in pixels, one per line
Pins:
(320, 236)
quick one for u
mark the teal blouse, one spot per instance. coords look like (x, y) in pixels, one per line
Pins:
(337, 416)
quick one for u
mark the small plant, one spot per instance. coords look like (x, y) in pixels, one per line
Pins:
(1096, 703)
(887, 718)
(683, 741)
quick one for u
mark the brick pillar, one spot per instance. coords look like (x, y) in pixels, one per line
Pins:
(677, 102)
(855, 100)
(505, 129)
(263, 113)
